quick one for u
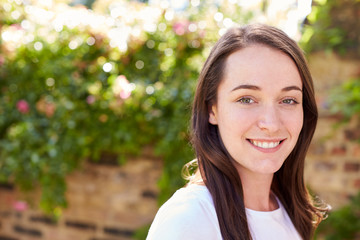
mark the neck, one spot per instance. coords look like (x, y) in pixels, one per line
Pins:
(257, 191)
(256, 188)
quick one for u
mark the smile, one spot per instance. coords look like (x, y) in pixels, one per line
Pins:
(265, 144)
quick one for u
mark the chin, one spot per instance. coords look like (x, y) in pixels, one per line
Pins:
(269, 168)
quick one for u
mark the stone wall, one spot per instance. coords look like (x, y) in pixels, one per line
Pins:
(333, 163)
(110, 202)
(105, 203)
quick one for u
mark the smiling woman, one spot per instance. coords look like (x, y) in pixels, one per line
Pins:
(253, 119)
(267, 134)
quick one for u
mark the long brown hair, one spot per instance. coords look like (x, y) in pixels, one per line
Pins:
(214, 161)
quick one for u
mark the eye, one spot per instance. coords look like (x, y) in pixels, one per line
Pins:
(245, 100)
(290, 101)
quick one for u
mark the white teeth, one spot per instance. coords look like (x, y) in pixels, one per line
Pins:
(265, 144)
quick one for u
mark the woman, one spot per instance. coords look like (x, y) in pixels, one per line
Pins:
(254, 116)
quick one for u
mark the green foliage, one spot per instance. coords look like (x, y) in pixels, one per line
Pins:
(70, 92)
(332, 26)
(141, 233)
(343, 223)
(346, 99)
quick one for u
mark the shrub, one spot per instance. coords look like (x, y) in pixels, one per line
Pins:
(343, 223)
(78, 84)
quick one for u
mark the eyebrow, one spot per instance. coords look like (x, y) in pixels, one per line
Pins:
(290, 88)
(246, 86)
(253, 87)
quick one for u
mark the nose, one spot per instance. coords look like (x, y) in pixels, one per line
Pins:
(269, 119)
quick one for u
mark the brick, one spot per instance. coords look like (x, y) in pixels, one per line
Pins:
(149, 194)
(7, 186)
(119, 232)
(356, 151)
(83, 226)
(325, 166)
(352, 134)
(351, 167)
(43, 219)
(317, 149)
(2, 237)
(27, 231)
(341, 151)
(5, 214)
(357, 183)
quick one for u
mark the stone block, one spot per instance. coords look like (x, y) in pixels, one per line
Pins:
(356, 151)
(329, 70)
(357, 183)
(352, 167)
(352, 134)
(7, 237)
(104, 202)
(339, 150)
(27, 231)
(325, 166)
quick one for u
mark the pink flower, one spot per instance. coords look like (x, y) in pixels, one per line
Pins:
(20, 206)
(22, 106)
(46, 107)
(2, 60)
(122, 87)
(16, 26)
(50, 109)
(103, 118)
(90, 99)
(124, 94)
(180, 28)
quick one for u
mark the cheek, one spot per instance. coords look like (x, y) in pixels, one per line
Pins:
(234, 122)
(295, 123)
(228, 114)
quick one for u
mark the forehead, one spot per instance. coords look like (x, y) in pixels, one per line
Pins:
(261, 65)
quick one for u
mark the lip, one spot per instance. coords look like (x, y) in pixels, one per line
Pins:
(267, 150)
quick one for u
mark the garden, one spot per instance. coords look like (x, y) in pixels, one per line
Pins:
(82, 81)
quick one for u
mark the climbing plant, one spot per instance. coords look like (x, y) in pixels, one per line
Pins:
(79, 84)
(332, 26)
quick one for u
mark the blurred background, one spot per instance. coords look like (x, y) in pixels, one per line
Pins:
(95, 101)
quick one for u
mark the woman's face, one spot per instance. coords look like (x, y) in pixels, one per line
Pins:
(259, 108)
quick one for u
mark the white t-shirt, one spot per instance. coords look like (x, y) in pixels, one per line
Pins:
(190, 215)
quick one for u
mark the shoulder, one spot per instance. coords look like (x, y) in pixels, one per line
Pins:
(188, 214)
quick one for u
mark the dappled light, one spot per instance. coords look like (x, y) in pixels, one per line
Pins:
(106, 82)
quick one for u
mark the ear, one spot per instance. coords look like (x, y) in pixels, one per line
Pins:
(213, 115)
